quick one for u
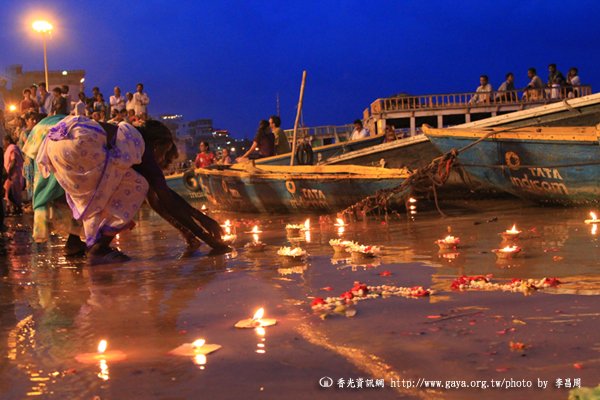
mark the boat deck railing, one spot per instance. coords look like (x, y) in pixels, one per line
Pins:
(473, 99)
(337, 132)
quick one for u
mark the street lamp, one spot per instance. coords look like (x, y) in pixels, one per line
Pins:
(43, 27)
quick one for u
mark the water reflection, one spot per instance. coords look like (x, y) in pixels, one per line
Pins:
(52, 308)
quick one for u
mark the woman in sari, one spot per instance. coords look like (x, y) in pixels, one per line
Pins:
(94, 169)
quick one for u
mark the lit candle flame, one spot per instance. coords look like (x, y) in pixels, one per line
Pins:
(593, 215)
(450, 239)
(203, 208)
(255, 229)
(198, 343)
(412, 200)
(339, 222)
(513, 229)
(259, 314)
(509, 249)
(102, 346)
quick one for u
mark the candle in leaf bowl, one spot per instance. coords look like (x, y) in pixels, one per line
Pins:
(507, 252)
(593, 219)
(341, 246)
(448, 243)
(198, 346)
(294, 229)
(101, 354)
(511, 234)
(291, 252)
(258, 320)
(359, 251)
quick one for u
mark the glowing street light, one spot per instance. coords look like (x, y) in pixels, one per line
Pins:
(45, 28)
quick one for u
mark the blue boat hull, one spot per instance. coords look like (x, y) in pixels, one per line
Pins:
(187, 186)
(291, 193)
(546, 168)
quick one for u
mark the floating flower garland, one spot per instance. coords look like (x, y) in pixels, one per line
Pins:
(292, 252)
(364, 251)
(481, 282)
(344, 303)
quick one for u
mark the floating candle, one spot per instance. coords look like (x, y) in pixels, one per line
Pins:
(412, 200)
(203, 208)
(449, 242)
(510, 234)
(364, 251)
(292, 252)
(197, 347)
(256, 321)
(594, 219)
(341, 246)
(101, 354)
(507, 252)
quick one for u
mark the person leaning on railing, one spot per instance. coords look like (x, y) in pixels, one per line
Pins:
(506, 92)
(483, 92)
(535, 88)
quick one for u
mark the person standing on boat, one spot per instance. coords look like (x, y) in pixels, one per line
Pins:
(205, 157)
(535, 87)
(282, 145)
(483, 92)
(506, 91)
(359, 131)
(264, 142)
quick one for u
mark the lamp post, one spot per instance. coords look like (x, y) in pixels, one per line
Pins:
(44, 27)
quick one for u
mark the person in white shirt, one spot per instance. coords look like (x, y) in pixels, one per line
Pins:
(359, 131)
(484, 90)
(117, 102)
(79, 108)
(140, 100)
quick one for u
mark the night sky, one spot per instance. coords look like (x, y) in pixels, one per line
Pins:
(227, 60)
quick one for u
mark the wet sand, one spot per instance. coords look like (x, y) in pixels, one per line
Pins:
(52, 310)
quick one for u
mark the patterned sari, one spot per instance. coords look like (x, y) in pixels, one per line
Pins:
(102, 189)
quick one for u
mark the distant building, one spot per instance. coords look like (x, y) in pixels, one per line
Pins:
(20, 79)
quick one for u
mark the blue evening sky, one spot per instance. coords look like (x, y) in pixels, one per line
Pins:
(227, 60)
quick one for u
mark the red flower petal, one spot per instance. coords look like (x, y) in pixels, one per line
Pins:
(317, 302)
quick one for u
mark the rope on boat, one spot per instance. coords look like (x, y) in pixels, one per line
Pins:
(423, 180)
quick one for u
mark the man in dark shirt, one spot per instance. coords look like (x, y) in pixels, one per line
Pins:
(59, 103)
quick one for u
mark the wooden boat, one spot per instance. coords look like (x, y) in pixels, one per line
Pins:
(544, 164)
(186, 184)
(322, 153)
(267, 189)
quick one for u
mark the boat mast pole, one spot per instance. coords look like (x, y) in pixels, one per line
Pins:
(298, 112)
